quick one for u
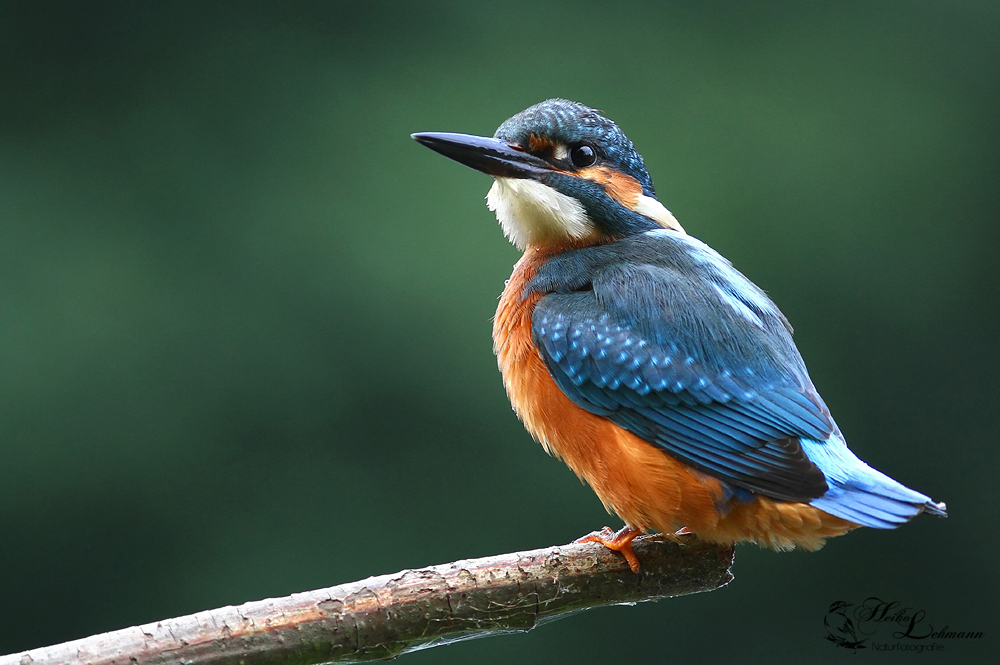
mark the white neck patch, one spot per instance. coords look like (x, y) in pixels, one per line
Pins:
(531, 213)
(650, 207)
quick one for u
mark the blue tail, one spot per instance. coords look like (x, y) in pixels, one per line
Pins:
(861, 494)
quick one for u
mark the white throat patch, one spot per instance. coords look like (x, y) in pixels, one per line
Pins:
(531, 213)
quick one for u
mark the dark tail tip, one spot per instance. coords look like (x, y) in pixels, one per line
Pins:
(936, 509)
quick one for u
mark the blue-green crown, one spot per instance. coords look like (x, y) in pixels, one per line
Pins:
(571, 122)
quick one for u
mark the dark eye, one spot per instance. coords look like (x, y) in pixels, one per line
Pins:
(582, 155)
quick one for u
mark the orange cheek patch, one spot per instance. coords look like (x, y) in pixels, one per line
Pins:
(622, 188)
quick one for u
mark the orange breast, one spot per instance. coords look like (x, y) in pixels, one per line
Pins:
(644, 485)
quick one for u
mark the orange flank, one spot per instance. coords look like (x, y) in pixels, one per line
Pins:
(641, 483)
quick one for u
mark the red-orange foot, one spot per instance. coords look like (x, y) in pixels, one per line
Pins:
(620, 541)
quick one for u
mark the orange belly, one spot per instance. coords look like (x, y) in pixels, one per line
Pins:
(644, 485)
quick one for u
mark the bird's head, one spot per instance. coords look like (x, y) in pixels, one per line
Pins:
(565, 176)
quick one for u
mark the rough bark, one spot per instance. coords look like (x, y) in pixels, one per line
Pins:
(383, 617)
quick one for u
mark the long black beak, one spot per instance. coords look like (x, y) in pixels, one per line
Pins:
(489, 155)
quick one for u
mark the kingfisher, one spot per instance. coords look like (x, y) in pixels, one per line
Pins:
(637, 354)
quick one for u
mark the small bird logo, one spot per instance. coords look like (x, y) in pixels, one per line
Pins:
(840, 628)
(643, 359)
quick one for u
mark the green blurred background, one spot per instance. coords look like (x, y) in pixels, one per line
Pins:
(245, 323)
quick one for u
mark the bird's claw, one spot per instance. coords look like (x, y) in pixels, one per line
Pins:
(596, 536)
(620, 541)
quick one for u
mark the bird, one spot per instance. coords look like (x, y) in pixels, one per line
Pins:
(640, 357)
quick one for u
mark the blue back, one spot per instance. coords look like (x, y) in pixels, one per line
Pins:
(659, 334)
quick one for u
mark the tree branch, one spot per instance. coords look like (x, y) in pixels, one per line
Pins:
(383, 617)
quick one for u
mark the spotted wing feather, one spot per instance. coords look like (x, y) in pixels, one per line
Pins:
(660, 352)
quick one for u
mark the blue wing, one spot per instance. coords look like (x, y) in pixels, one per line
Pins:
(659, 334)
(671, 343)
